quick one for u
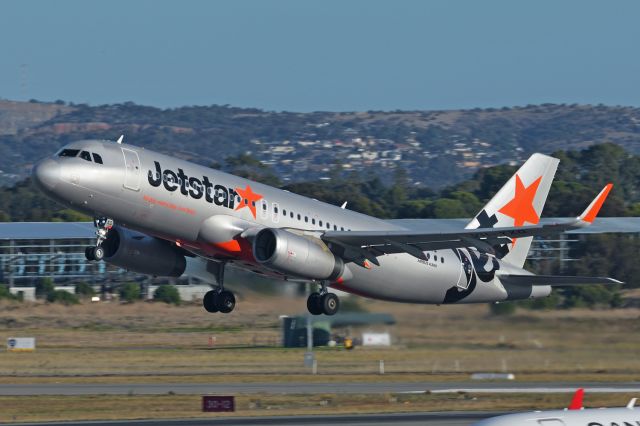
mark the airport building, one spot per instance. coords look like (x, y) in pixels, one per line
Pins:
(31, 251)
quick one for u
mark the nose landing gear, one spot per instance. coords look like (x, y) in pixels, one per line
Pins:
(103, 225)
(219, 299)
(323, 302)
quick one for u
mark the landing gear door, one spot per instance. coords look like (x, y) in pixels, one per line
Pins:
(132, 169)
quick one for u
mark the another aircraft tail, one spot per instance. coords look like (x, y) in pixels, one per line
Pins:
(519, 202)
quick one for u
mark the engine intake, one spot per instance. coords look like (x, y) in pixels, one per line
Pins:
(297, 255)
(142, 253)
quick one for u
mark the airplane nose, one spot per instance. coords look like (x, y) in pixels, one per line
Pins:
(47, 174)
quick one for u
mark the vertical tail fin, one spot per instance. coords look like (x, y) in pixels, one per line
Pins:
(519, 202)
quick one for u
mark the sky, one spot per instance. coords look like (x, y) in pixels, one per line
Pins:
(327, 55)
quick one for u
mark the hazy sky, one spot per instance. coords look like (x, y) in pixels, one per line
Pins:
(322, 55)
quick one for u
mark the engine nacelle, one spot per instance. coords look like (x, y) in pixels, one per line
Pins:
(296, 255)
(142, 253)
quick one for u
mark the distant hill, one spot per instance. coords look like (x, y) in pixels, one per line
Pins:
(435, 148)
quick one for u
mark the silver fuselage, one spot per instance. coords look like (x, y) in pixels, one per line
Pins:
(205, 210)
(586, 417)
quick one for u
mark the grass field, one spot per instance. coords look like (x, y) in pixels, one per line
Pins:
(152, 343)
(98, 407)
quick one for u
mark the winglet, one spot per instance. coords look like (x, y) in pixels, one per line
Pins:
(576, 402)
(120, 139)
(591, 212)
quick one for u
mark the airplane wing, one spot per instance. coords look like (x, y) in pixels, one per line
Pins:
(358, 246)
(555, 280)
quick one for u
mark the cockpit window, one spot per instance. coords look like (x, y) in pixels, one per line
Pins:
(85, 155)
(68, 153)
(97, 158)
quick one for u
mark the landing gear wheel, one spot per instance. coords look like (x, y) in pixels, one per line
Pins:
(89, 253)
(226, 301)
(98, 253)
(330, 303)
(209, 301)
(313, 304)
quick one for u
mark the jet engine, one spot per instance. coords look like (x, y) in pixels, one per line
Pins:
(142, 253)
(296, 255)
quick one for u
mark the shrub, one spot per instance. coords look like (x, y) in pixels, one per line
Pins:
(5, 293)
(44, 287)
(502, 308)
(130, 292)
(64, 297)
(84, 290)
(168, 294)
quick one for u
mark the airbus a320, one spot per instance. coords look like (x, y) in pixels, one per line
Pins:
(163, 216)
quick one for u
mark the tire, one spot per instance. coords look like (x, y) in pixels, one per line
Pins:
(313, 304)
(209, 301)
(98, 253)
(89, 253)
(226, 301)
(330, 304)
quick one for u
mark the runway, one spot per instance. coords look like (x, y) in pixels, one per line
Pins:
(311, 388)
(405, 419)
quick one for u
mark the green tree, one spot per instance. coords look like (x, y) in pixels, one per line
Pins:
(167, 293)
(44, 287)
(84, 290)
(130, 292)
(63, 297)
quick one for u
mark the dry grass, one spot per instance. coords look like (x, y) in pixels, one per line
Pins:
(156, 343)
(156, 340)
(52, 408)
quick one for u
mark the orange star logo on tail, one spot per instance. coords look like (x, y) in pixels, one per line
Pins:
(248, 199)
(520, 208)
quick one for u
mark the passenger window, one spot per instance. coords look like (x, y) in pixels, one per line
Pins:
(97, 158)
(313, 221)
(291, 215)
(328, 225)
(320, 223)
(441, 259)
(342, 228)
(275, 209)
(284, 212)
(306, 219)
(335, 227)
(69, 153)
(85, 155)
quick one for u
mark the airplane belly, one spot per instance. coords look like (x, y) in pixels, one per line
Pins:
(401, 278)
(438, 280)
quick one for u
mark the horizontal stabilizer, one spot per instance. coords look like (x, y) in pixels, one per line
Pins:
(555, 280)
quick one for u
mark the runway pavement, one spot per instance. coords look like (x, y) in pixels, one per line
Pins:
(404, 419)
(311, 388)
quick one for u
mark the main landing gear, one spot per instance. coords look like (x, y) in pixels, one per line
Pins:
(219, 299)
(323, 302)
(103, 225)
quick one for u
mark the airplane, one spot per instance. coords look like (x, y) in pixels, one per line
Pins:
(159, 215)
(574, 415)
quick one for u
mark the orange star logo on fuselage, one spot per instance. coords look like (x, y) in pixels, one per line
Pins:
(248, 199)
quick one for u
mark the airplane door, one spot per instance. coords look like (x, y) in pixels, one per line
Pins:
(132, 169)
(466, 271)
